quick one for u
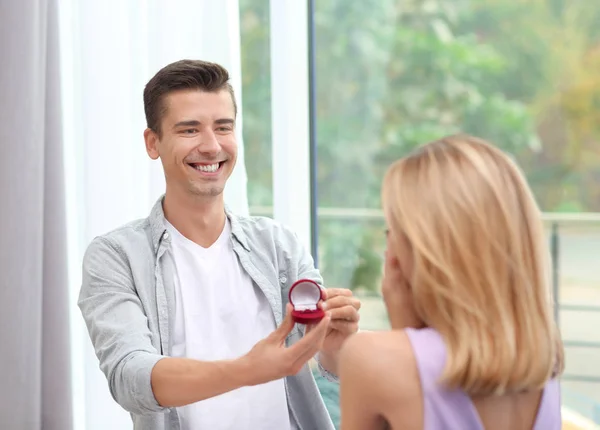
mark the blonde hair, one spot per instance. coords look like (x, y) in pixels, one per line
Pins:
(481, 269)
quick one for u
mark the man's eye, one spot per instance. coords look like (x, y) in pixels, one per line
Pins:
(224, 129)
(190, 131)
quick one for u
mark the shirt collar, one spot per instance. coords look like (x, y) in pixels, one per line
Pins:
(158, 225)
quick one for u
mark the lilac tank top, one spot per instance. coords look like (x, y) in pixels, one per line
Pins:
(452, 409)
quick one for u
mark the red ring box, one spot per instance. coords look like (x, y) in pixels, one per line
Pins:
(304, 296)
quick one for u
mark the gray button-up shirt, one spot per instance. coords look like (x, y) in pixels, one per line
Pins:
(127, 301)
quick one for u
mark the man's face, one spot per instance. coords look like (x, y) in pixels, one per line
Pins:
(197, 147)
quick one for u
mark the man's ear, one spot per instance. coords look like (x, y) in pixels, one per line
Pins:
(151, 139)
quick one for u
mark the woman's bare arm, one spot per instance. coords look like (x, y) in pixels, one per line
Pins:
(357, 391)
(379, 383)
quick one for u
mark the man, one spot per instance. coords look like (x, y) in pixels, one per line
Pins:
(183, 307)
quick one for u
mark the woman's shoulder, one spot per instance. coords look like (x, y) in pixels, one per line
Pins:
(393, 345)
(378, 372)
(383, 357)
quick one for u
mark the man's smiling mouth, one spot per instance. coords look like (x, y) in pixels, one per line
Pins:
(205, 167)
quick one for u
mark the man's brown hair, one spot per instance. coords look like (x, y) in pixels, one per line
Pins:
(182, 75)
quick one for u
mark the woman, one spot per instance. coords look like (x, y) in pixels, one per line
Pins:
(473, 343)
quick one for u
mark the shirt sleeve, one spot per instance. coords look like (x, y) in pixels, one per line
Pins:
(118, 327)
(307, 270)
(326, 373)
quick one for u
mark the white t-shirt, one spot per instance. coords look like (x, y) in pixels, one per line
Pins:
(221, 315)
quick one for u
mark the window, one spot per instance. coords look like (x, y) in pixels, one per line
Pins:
(392, 75)
(256, 103)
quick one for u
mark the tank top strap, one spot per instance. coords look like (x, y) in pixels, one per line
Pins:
(443, 409)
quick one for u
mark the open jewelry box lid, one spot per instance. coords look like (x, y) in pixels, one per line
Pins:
(304, 296)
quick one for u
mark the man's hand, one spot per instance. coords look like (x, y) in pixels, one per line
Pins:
(182, 381)
(343, 307)
(269, 359)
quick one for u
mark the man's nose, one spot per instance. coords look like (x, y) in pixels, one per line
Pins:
(210, 144)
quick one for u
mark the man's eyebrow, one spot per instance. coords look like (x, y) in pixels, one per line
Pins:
(195, 123)
(189, 123)
(225, 121)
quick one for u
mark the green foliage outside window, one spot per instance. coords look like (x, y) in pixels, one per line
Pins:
(393, 74)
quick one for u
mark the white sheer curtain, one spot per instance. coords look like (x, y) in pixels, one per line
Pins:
(109, 50)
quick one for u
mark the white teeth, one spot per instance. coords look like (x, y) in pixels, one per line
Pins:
(207, 168)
